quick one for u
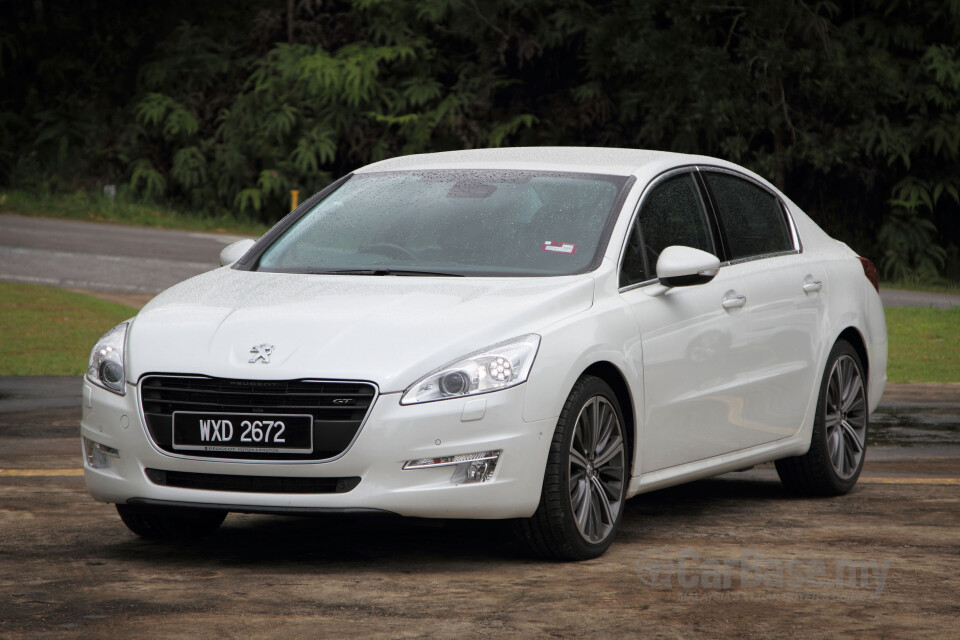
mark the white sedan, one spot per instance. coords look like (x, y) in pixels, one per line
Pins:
(533, 333)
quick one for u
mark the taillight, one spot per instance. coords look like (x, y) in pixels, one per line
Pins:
(871, 272)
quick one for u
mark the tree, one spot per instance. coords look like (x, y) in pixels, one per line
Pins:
(851, 107)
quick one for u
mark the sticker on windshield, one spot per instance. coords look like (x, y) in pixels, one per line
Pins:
(559, 247)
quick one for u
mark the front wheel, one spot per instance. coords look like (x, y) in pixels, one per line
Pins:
(839, 440)
(584, 486)
(168, 523)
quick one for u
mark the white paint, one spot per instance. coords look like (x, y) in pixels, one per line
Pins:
(713, 389)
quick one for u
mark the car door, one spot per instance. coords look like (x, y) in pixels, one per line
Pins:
(691, 358)
(780, 331)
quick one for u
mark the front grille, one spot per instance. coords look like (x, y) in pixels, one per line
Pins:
(250, 484)
(338, 409)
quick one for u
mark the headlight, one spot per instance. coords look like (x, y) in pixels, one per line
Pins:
(500, 366)
(105, 368)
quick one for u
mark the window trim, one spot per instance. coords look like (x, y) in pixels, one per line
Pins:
(705, 206)
(713, 219)
(725, 260)
(251, 260)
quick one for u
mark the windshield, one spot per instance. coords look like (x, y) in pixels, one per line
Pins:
(452, 222)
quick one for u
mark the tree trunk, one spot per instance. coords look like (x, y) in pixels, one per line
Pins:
(289, 21)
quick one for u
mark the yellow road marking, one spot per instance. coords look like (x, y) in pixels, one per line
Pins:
(911, 480)
(24, 473)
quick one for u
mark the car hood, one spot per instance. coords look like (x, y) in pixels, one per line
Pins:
(389, 330)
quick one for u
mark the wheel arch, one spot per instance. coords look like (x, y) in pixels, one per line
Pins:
(611, 374)
(855, 338)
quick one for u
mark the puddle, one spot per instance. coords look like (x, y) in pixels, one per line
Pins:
(911, 427)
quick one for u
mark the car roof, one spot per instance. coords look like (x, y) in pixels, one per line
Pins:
(603, 160)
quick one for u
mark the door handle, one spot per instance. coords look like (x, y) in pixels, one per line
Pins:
(732, 300)
(810, 285)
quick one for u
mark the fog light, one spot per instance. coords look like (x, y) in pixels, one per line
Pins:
(479, 470)
(98, 455)
(469, 467)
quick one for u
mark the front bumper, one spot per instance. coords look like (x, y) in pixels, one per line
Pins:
(392, 435)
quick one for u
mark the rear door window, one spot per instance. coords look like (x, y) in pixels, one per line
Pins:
(751, 218)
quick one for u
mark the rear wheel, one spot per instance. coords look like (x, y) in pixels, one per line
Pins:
(584, 486)
(166, 523)
(839, 440)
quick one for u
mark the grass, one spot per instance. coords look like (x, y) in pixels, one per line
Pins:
(924, 344)
(49, 331)
(53, 331)
(82, 205)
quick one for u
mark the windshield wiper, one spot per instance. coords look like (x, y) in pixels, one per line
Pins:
(382, 272)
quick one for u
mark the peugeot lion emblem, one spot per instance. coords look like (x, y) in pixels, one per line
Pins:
(261, 352)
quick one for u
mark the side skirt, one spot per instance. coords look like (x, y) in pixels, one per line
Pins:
(793, 446)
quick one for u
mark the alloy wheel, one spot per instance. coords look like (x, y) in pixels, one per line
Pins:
(597, 460)
(845, 417)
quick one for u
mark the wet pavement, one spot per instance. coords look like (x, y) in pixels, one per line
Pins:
(917, 415)
(914, 427)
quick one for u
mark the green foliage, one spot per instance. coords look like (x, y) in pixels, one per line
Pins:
(157, 109)
(147, 180)
(190, 167)
(248, 199)
(911, 252)
(852, 108)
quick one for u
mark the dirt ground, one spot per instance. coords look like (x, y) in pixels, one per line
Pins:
(735, 556)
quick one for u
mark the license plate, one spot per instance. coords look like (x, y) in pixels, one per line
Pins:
(242, 432)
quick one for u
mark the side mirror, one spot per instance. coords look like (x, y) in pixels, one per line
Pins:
(685, 266)
(233, 252)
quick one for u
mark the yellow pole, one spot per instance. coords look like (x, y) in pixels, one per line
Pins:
(294, 199)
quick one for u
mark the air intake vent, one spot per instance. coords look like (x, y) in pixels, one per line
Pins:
(250, 484)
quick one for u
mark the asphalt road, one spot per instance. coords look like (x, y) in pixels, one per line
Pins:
(901, 298)
(103, 257)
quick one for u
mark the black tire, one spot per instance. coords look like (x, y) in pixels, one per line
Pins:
(838, 443)
(555, 531)
(166, 523)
